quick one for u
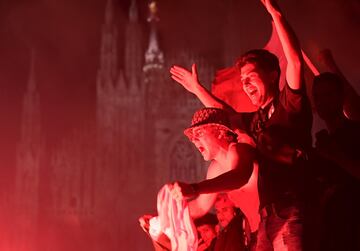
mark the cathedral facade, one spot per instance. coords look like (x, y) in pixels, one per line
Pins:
(87, 193)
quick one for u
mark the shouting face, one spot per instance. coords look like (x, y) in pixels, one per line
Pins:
(256, 84)
(206, 142)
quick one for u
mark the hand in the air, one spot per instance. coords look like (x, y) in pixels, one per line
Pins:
(326, 58)
(271, 6)
(189, 80)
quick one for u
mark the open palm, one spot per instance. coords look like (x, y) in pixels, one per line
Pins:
(189, 80)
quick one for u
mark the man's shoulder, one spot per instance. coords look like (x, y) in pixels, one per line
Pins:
(294, 101)
(240, 151)
(214, 170)
(288, 92)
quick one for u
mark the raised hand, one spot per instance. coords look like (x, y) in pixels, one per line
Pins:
(181, 191)
(189, 80)
(271, 6)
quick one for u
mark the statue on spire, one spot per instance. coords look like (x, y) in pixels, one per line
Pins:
(153, 10)
(154, 57)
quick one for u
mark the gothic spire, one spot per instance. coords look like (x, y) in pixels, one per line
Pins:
(107, 72)
(154, 57)
(133, 47)
(31, 107)
(109, 12)
(133, 12)
(32, 82)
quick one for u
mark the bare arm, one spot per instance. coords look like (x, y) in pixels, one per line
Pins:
(219, 179)
(241, 160)
(289, 43)
(235, 174)
(189, 80)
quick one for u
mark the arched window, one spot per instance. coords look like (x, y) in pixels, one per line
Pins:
(184, 162)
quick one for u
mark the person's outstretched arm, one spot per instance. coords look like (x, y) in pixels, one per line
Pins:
(190, 81)
(289, 43)
(241, 161)
(240, 164)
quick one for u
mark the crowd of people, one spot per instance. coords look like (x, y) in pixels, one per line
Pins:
(271, 189)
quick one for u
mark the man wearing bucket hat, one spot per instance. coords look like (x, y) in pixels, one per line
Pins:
(232, 157)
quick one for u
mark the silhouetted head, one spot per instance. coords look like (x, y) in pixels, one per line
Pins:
(260, 74)
(328, 95)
